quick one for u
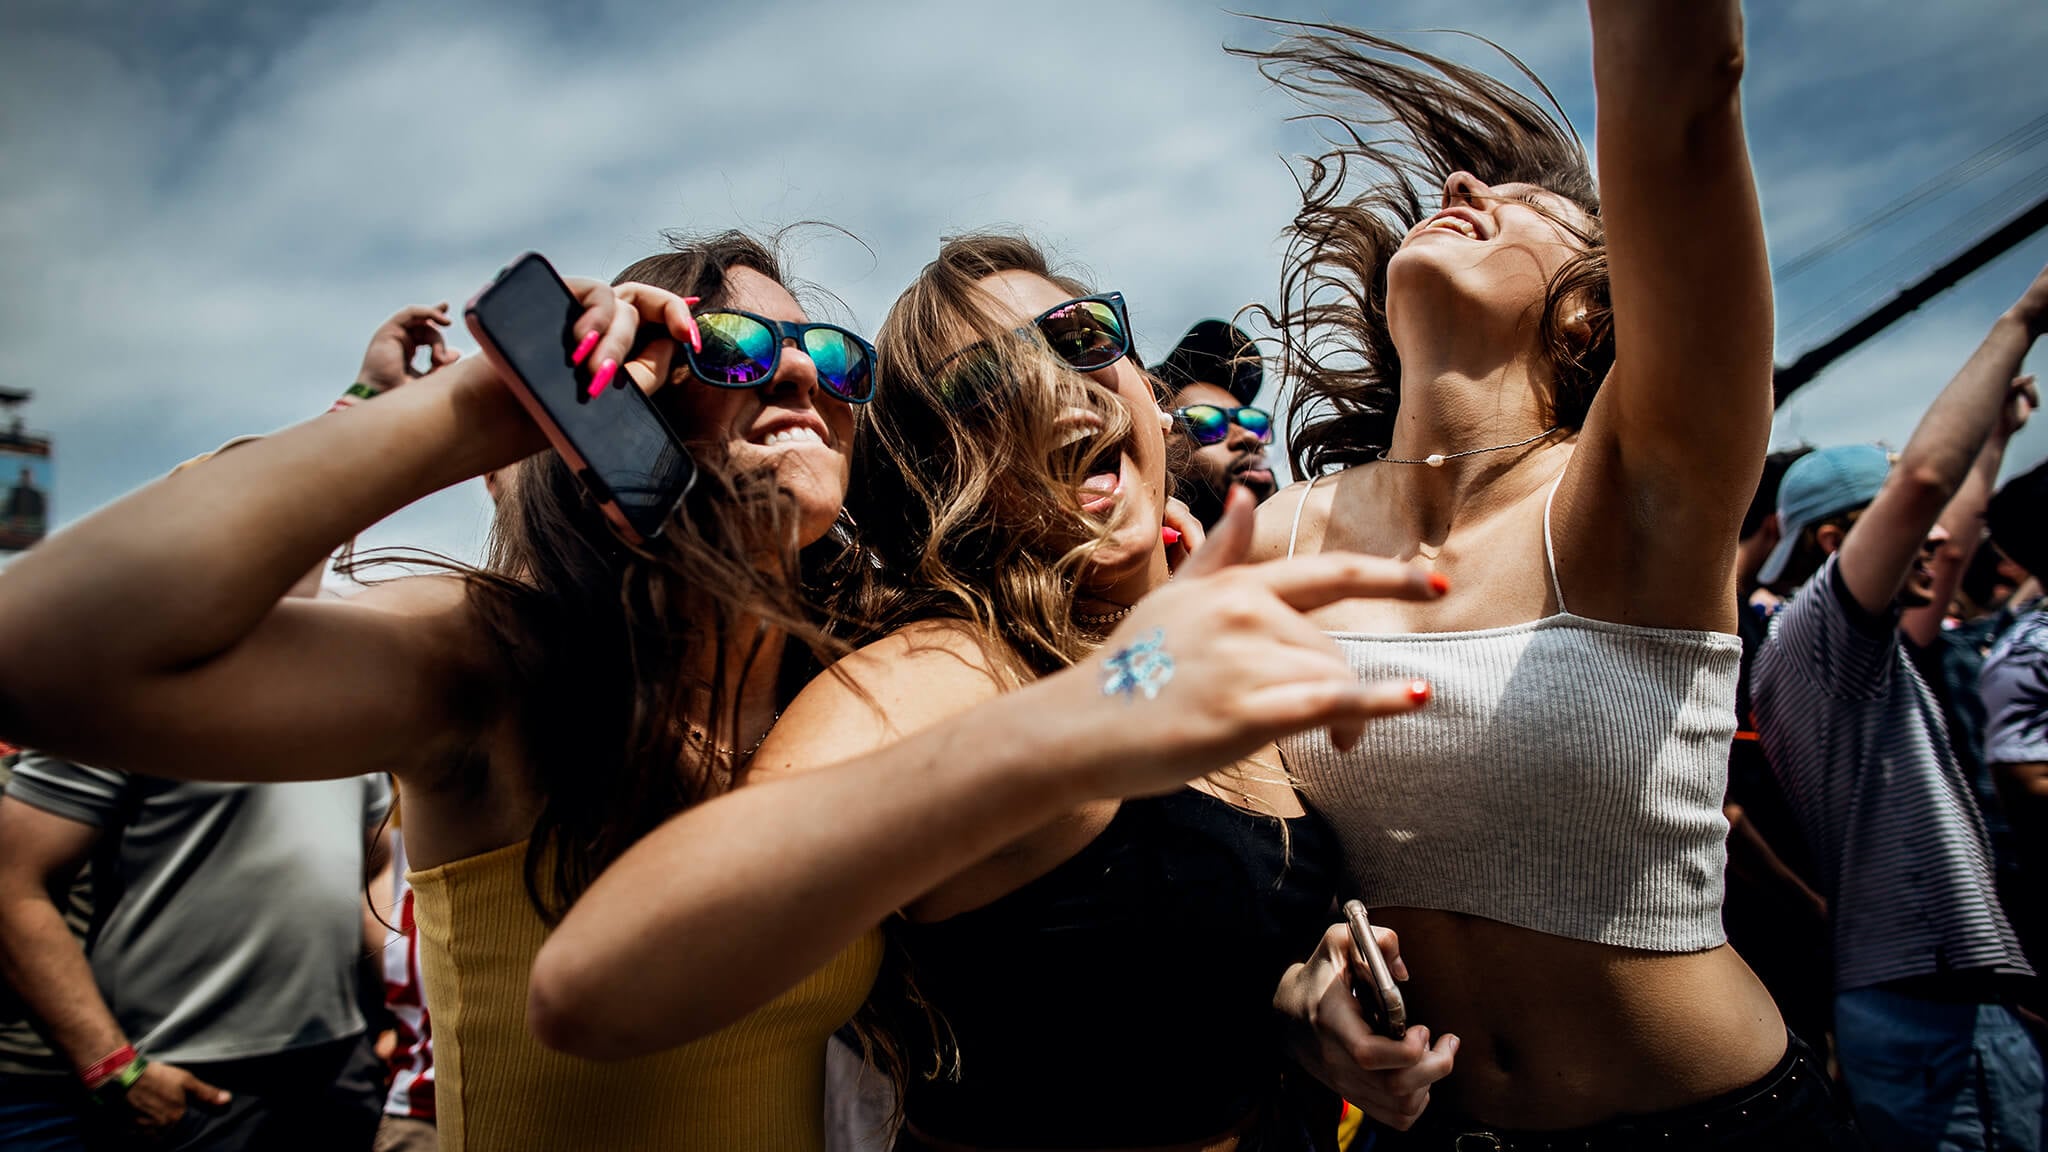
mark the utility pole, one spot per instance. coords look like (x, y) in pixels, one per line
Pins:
(1790, 377)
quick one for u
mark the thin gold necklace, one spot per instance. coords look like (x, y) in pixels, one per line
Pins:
(704, 737)
(1436, 459)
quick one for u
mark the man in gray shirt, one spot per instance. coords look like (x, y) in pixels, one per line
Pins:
(1927, 965)
(226, 931)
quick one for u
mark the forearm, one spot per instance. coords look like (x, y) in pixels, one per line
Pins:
(1689, 399)
(179, 571)
(739, 899)
(1665, 59)
(1953, 432)
(1963, 523)
(45, 966)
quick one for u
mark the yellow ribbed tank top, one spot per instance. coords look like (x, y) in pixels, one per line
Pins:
(759, 1083)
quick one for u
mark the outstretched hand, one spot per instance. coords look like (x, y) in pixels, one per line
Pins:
(1222, 661)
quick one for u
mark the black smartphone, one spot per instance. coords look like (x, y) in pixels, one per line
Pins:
(1381, 998)
(621, 449)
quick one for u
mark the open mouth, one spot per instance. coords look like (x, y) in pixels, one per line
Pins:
(1101, 471)
(1103, 479)
(1459, 221)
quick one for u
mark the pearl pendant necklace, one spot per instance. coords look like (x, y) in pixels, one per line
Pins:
(1436, 459)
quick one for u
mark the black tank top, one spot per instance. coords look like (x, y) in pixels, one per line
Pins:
(1124, 998)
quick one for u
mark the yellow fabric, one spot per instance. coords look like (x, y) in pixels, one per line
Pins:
(758, 1084)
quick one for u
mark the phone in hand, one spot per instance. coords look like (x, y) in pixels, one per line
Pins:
(616, 442)
(1381, 999)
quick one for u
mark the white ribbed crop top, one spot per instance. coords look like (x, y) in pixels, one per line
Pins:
(1566, 777)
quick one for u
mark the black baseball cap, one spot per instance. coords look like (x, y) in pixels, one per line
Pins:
(2018, 520)
(1215, 352)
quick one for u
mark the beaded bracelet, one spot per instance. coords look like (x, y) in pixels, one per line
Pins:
(356, 392)
(107, 1066)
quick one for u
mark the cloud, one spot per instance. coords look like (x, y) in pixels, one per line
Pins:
(207, 208)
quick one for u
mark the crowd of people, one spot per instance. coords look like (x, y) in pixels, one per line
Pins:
(979, 758)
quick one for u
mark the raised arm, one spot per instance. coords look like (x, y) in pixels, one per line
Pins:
(732, 902)
(1962, 522)
(1675, 440)
(151, 637)
(1878, 553)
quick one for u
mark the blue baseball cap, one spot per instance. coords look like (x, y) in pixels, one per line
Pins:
(1818, 485)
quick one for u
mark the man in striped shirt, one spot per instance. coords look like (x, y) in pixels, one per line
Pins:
(1926, 962)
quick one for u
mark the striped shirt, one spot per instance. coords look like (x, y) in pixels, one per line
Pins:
(2015, 688)
(410, 1067)
(1856, 738)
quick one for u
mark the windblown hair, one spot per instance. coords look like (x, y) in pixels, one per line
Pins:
(962, 485)
(619, 654)
(1399, 122)
(966, 497)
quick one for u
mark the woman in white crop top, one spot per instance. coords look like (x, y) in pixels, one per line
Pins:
(1543, 367)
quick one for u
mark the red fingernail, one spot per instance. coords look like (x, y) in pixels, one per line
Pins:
(696, 338)
(690, 301)
(1170, 535)
(603, 376)
(1418, 692)
(1439, 583)
(583, 347)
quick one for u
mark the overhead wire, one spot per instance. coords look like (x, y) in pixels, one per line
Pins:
(2020, 140)
(1868, 288)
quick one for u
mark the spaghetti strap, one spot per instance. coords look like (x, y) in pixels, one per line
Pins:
(1295, 531)
(1549, 551)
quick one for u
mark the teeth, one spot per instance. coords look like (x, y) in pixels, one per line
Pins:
(797, 435)
(1462, 227)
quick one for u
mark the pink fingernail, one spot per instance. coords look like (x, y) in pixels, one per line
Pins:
(583, 347)
(603, 376)
(1170, 535)
(696, 338)
(690, 301)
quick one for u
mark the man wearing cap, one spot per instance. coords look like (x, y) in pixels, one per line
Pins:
(1212, 376)
(1927, 965)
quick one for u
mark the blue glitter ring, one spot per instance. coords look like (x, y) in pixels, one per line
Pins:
(1143, 667)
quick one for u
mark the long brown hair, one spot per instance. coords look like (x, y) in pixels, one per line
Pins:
(1399, 122)
(612, 651)
(962, 486)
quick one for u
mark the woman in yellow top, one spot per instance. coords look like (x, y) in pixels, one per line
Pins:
(546, 712)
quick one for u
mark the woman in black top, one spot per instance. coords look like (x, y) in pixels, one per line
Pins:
(1201, 904)
(1107, 981)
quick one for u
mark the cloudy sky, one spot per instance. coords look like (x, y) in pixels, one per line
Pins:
(205, 208)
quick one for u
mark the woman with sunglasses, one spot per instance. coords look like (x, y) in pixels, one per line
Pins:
(540, 714)
(1011, 483)
(1558, 394)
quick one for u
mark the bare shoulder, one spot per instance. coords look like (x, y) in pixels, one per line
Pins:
(907, 681)
(434, 615)
(1305, 502)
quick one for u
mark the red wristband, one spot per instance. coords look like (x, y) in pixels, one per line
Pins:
(107, 1067)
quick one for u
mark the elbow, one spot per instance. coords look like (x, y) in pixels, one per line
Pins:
(567, 1009)
(1925, 486)
(561, 1013)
